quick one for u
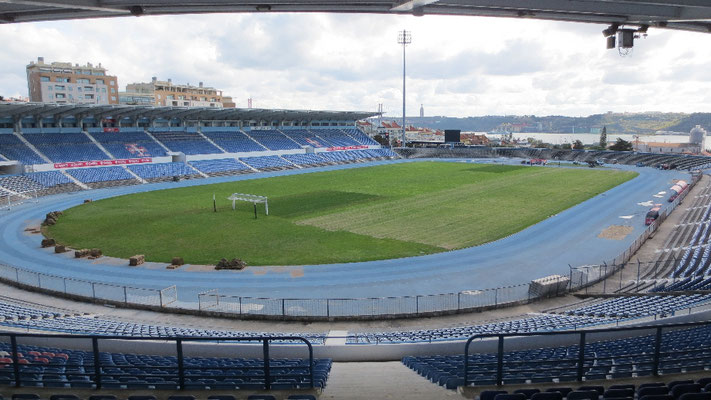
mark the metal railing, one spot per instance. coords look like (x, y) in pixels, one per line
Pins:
(89, 289)
(573, 368)
(98, 372)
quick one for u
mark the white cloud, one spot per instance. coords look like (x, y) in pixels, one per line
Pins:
(457, 66)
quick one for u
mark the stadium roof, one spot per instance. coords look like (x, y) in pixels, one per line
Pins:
(43, 110)
(692, 15)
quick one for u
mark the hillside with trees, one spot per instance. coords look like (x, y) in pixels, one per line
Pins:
(620, 123)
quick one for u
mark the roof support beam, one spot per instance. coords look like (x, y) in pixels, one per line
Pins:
(88, 5)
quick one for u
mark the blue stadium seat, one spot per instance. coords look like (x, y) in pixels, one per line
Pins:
(267, 163)
(232, 140)
(185, 141)
(273, 139)
(128, 143)
(12, 148)
(66, 146)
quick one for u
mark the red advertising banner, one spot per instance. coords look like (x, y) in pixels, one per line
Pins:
(102, 163)
(111, 129)
(346, 148)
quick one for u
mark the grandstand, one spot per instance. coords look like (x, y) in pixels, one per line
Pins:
(59, 160)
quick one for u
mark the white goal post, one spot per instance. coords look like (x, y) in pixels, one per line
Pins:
(252, 198)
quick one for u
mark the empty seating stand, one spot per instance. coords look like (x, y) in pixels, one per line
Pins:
(336, 137)
(638, 306)
(12, 148)
(273, 139)
(305, 159)
(532, 323)
(164, 172)
(267, 163)
(672, 390)
(20, 315)
(223, 166)
(305, 138)
(38, 183)
(184, 140)
(683, 350)
(103, 176)
(232, 140)
(65, 145)
(127, 143)
(64, 368)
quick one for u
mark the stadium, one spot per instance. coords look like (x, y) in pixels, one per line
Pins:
(194, 253)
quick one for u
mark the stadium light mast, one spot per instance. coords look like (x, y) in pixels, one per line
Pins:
(404, 38)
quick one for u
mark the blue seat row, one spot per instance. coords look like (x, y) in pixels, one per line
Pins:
(273, 140)
(66, 147)
(190, 143)
(19, 315)
(163, 170)
(305, 159)
(267, 162)
(532, 323)
(681, 351)
(224, 165)
(690, 283)
(233, 141)
(12, 148)
(101, 174)
(638, 306)
(57, 367)
(129, 144)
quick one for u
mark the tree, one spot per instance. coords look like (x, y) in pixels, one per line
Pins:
(603, 137)
(565, 146)
(381, 139)
(621, 145)
(578, 145)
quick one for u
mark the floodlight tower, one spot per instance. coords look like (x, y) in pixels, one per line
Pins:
(404, 38)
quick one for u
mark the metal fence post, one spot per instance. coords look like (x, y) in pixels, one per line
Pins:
(620, 271)
(500, 362)
(125, 295)
(657, 349)
(267, 378)
(181, 364)
(283, 307)
(97, 361)
(93, 291)
(417, 304)
(15, 360)
(581, 356)
(328, 307)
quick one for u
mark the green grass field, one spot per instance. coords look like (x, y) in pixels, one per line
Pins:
(359, 214)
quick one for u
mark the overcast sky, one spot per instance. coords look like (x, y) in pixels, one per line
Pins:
(457, 66)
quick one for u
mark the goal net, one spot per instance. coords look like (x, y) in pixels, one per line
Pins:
(251, 198)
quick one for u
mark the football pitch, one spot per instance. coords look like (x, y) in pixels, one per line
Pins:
(359, 214)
